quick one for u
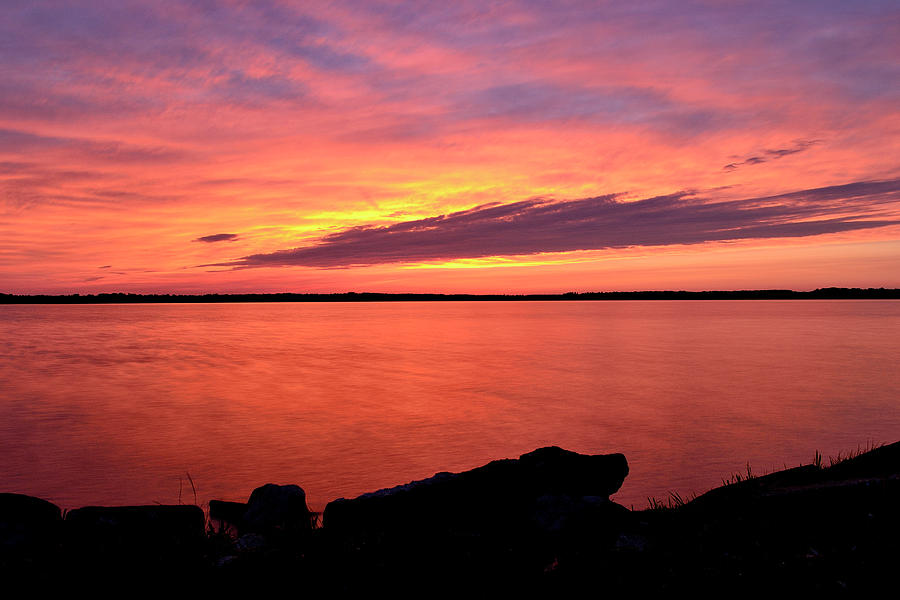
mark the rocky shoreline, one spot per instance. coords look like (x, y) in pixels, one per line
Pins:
(540, 523)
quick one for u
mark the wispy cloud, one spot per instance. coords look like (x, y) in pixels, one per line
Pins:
(13, 141)
(771, 154)
(218, 237)
(538, 225)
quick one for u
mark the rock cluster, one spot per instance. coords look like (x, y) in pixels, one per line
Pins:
(541, 523)
(34, 534)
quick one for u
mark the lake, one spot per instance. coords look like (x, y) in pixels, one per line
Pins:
(117, 404)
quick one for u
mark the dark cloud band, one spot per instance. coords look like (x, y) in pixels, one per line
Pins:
(536, 226)
(218, 237)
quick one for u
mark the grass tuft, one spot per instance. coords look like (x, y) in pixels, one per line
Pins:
(851, 454)
(673, 501)
(739, 477)
(191, 479)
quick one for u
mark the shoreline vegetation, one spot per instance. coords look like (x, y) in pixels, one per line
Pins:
(543, 523)
(830, 293)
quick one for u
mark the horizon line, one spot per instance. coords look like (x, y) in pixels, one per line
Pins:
(217, 297)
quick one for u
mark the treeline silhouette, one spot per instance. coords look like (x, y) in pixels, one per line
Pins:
(830, 293)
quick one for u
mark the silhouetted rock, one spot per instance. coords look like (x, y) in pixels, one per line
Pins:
(504, 494)
(250, 542)
(562, 513)
(29, 528)
(231, 513)
(277, 508)
(552, 470)
(133, 534)
(540, 524)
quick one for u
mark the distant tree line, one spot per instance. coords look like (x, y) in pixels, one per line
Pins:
(830, 293)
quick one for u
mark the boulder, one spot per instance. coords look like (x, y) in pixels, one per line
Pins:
(28, 526)
(501, 495)
(556, 471)
(127, 534)
(227, 513)
(276, 508)
(250, 542)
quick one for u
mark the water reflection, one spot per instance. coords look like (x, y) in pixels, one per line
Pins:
(114, 404)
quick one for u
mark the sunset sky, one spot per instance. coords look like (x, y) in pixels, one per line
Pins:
(513, 147)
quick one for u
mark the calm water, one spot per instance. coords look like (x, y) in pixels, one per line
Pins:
(115, 404)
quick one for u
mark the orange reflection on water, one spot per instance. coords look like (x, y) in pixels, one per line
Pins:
(116, 404)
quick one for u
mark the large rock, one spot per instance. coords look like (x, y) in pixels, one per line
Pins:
(277, 508)
(29, 527)
(132, 534)
(501, 495)
(227, 513)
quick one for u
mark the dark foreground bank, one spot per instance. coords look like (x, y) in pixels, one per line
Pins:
(539, 523)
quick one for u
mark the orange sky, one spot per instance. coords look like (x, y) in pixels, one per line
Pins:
(463, 147)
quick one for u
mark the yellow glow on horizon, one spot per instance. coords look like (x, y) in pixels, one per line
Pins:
(546, 259)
